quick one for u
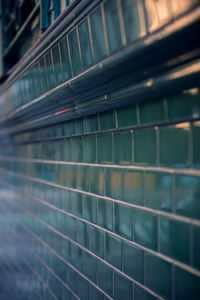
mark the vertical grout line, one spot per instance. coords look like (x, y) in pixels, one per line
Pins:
(138, 114)
(144, 189)
(113, 283)
(69, 53)
(173, 193)
(104, 29)
(113, 149)
(157, 145)
(91, 39)
(47, 79)
(165, 104)
(133, 146)
(121, 22)
(145, 267)
(173, 282)
(158, 233)
(98, 120)
(191, 244)
(116, 119)
(79, 46)
(96, 143)
(51, 54)
(190, 146)
(60, 58)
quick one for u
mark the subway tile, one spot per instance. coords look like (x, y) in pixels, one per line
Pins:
(67, 150)
(75, 53)
(89, 149)
(77, 257)
(145, 152)
(94, 293)
(82, 236)
(158, 283)
(105, 278)
(107, 120)
(90, 266)
(123, 220)
(174, 145)
(64, 53)
(77, 126)
(91, 123)
(82, 178)
(187, 285)
(133, 261)
(145, 228)
(174, 239)
(113, 250)
(158, 190)
(133, 187)
(114, 183)
(96, 180)
(123, 148)
(142, 294)
(76, 204)
(127, 116)
(57, 65)
(50, 71)
(69, 174)
(122, 287)
(157, 109)
(82, 288)
(96, 241)
(196, 246)
(105, 214)
(70, 229)
(187, 192)
(76, 149)
(89, 208)
(196, 145)
(85, 44)
(66, 249)
(104, 148)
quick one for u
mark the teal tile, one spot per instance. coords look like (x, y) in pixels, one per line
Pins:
(67, 150)
(196, 246)
(145, 228)
(57, 65)
(133, 191)
(96, 180)
(123, 220)
(196, 145)
(160, 284)
(89, 149)
(82, 178)
(174, 145)
(133, 20)
(141, 294)
(77, 257)
(187, 285)
(107, 120)
(64, 53)
(76, 149)
(85, 44)
(145, 147)
(89, 208)
(76, 204)
(187, 193)
(77, 126)
(105, 278)
(74, 53)
(123, 148)
(91, 123)
(90, 266)
(50, 71)
(113, 250)
(67, 128)
(122, 287)
(127, 116)
(158, 190)
(113, 25)
(183, 106)
(69, 176)
(104, 149)
(82, 233)
(156, 115)
(71, 278)
(133, 261)
(105, 214)
(82, 288)
(98, 34)
(94, 293)
(114, 183)
(96, 241)
(174, 239)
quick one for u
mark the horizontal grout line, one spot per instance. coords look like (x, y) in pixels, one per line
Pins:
(144, 208)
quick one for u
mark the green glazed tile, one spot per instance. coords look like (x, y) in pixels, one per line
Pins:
(89, 149)
(74, 53)
(89, 208)
(64, 53)
(133, 187)
(91, 123)
(98, 34)
(187, 193)
(141, 294)
(133, 261)
(114, 183)
(90, 266)
(123, 220)
(67, 128)
(82, 178)
(157, 112)
(82, 233)
(174, 239)
(127, 116)
(113, 25)
(50, 71)
(113, 251)
(174, 145)
(107, 120)
(77, 257)
(67, 150)
(72, 278)
(76, 204)
(183, 106)
(158, 189)
(145, 147)
(158, 275)
(122, 287)
(57, 65)
(105, 214)
(76, 149)
(65, 200)
(196, 145)
(82, 287)
(196, 246)
(96, 241)
(104, 149)
(187, 285)
(145, 228)
(77, 125)
(123, 148)
(94, 293)
(69, 174)
(105, 278)
(85, 44)
(96, 180)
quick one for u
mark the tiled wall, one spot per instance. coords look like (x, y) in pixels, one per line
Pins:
(108, 206)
